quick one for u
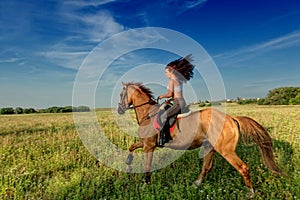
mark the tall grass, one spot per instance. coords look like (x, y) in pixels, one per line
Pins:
(42, 157)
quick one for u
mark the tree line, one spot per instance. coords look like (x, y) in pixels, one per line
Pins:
(53, 109)
(283, 96)
(277, 96)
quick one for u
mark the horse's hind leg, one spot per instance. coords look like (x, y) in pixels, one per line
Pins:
(241, 167)
(206, 167)
(226, 146)
(129, 159)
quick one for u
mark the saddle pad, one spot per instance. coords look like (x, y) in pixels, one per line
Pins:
(157, 126)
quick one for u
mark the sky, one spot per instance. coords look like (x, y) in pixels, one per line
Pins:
(59, 53)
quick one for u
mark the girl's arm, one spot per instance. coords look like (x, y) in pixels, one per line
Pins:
(170, 91)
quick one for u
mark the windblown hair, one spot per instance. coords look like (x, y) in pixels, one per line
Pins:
(183, 67)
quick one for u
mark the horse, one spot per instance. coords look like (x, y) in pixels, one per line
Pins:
(215, 130)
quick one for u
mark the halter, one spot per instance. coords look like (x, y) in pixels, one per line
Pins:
(123, 107)
(122, 102)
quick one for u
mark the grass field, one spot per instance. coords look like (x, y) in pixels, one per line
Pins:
(42, 157)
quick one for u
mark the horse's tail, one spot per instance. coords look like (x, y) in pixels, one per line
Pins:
(249, 128)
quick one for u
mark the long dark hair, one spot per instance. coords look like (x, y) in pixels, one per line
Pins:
(183, 67)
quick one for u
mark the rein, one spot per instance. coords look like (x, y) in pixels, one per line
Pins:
(150, 101)
(148, 116)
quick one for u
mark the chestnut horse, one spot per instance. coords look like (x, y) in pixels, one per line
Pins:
(216, 131)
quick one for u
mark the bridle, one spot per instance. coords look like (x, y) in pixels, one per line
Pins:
(122, 102)
(123, 106)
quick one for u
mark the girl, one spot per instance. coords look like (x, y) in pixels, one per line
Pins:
(178, 72)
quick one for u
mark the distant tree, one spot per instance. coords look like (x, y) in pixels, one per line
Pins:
(81, 109)
(67, 109)
(29, 110)
(41, 111)
(6, 111)
(282, 96)
(261, 101)
(53, 109)
(247, 101)
(296, 100)
(19, 110)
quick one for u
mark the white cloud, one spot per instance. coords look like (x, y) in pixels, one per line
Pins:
(85, 32)
(193, 4)
(81, 3)
(100, 26)
(10, 60)
(65, 59)
(286, 41)
(93, 26)
(187, 5)
(292, 39)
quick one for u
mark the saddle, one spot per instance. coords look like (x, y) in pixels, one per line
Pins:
(172, 120)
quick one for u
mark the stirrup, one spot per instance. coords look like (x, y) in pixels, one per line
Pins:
(163, 140)
(160, 142)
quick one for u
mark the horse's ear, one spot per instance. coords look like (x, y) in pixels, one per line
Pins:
(124, 84)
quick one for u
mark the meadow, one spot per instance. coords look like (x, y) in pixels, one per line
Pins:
(42, 157)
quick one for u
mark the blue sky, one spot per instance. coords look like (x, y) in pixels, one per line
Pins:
(254, 44)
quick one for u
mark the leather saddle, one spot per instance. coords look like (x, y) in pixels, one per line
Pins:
(172, 120)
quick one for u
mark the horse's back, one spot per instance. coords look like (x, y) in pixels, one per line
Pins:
(208, 123)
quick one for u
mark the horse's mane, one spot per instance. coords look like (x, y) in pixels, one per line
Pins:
(143, 88)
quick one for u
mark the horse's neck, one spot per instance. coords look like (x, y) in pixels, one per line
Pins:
(143, 108)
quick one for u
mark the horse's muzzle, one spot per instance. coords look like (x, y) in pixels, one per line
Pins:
(121, 109)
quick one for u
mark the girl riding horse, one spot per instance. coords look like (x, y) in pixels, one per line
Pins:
(178, 72)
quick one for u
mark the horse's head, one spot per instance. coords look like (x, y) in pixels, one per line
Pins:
(134, 93)
(125, 99)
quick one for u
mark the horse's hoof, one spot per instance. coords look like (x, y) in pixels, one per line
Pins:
(194, 185)
(250, 194)
(197, 183)
(147, 179)
(128, 169)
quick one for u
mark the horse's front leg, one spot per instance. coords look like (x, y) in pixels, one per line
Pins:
(149, 147)
(148, 159)
(129, 159)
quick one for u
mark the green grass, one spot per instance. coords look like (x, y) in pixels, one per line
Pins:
(42, 157)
